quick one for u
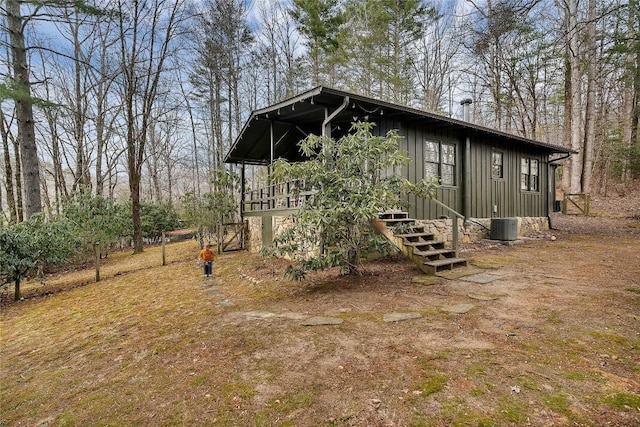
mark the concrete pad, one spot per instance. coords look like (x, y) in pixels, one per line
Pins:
(482, 278)
(319, 321)
(458, 308)
(399, 317)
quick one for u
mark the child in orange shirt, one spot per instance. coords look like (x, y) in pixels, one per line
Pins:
(207, 256)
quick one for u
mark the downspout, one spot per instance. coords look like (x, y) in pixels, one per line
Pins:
(326, 132)
(242, 191)
(560, 158)
(554, 165)
(271, 154)
(326, 124)
(245, 226)
(271, 187)
(466, 195)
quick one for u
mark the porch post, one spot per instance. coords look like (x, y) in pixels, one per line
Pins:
(242, 191)
(326, 127)
(466, 201)
(271, 155)
(272, 187)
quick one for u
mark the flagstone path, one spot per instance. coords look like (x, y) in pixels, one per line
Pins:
(391, 317)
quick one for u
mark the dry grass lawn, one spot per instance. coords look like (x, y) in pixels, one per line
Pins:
(555, 340)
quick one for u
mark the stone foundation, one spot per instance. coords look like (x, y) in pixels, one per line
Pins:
(254, 229)
(532, 225)
(280, 224)
(476, 229)
(473, 229)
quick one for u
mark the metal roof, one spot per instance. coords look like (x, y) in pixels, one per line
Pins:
(295, 118)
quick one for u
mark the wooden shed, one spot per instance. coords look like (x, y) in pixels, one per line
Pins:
(483, 173)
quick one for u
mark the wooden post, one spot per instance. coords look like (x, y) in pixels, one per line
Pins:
(164, 253)
(97, 253)
(245, 234)
(582, 202)
(587, 203)
(454, 232)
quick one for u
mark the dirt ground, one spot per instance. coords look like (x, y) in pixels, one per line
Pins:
(552, 340)
(546, 343)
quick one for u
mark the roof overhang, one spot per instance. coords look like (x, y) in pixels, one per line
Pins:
(288, 122)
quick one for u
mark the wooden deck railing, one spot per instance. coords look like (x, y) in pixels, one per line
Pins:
(454, 223)
(288, 196)
(284, 196)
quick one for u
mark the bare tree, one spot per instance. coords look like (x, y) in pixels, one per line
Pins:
(434, 61)
(147, 31)
(590, 113)
(631, 94)
(275, 51)
(192, 126)
(54, 147)
(225, 40)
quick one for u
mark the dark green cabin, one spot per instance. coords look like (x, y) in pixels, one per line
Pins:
(484, 173)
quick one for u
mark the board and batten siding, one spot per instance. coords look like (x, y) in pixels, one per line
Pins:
(414, 136)
(503, 197)
(489, 197)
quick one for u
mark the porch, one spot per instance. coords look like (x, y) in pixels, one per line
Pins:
(287, 196)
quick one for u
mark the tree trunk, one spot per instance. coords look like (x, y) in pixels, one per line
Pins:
(143, 55)
(18, 180)
(566, 127)
(8, 171)
(78, 103)
(576, 98)
(16, 290)
(24, 111)
(590, 115)
(134, 187)
(100, 146)
(631, 93)
(196, 170)
(153, 161)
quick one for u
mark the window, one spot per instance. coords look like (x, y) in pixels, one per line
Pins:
(432, 160)
(440, 162)
(496, 165)
(529, 175)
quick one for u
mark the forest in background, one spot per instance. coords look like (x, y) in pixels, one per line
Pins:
(140, 100)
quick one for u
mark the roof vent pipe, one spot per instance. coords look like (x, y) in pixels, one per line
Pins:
(466, 109)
